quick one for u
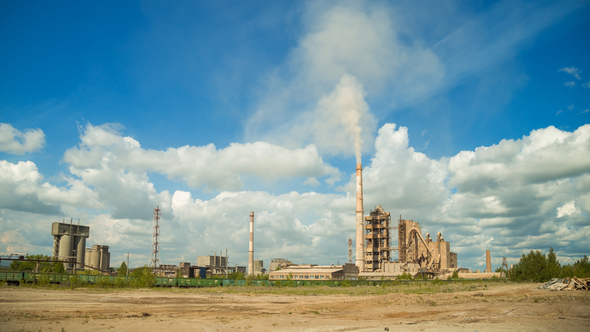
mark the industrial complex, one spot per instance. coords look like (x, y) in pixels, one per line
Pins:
(374, 254)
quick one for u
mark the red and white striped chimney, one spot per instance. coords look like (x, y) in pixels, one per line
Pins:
(251, 248)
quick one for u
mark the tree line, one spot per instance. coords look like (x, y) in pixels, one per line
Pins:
(537, 267)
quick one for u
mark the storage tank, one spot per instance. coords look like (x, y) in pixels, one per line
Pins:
(105, 258)
(66, 249)
(80, 245)
(87, 258)
(70, 240)
(95, 257)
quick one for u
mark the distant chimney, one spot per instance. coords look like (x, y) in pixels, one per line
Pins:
(251, 248)
(360, 233)
(488, 262)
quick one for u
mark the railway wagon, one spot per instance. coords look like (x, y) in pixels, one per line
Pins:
(12, 277)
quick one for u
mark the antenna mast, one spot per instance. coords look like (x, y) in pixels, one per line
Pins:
(155, 259)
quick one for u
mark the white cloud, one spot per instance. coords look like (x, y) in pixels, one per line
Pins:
(105, 153)
(558, 112)
(567, 209)
(584, 111)
(20, 142)
(574, 71)
(570, 107)
(311, 181)
(586, 85)
(21, 190)
(570, 84)
(517, 195)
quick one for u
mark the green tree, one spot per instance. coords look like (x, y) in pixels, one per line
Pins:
(237, 275)
(581, 268)
(532, 267)
(553, 266)
(143, 277)
(122, 270)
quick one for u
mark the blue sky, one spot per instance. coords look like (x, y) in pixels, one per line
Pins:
(97, 102)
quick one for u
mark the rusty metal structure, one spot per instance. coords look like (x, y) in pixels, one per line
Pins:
(155, 258)
(350, 250)
(377, 236)
(488, 261)
(431, 256)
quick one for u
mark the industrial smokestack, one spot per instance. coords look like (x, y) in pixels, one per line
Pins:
(488, 262)
(251, 248)
(360, 233)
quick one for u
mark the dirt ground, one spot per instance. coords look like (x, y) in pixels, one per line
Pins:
(495, 308)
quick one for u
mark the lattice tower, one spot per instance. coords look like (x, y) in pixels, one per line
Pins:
(155, 259)
(504, 272)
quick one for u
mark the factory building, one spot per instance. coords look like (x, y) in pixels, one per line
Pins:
(316, 272)
(413, 248)
(279, 263)
(98, 257)
(69, 243)
(258, 267)
(378, 250)
(215, 264)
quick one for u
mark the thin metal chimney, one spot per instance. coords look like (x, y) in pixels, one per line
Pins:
(360, 233)
(251, 248)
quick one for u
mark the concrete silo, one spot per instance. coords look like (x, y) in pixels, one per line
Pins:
(98, 257)
(69, 243)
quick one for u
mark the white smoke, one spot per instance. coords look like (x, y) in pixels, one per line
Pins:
(341, 116)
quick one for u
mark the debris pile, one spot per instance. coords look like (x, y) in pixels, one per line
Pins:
(567, 284)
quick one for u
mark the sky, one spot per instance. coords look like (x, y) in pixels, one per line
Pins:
(469, 117)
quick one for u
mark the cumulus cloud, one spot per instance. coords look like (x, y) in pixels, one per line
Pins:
(104, 152)
(21, 189)
(567, 209)
(20, 142)
(574, 71)
(511, 197)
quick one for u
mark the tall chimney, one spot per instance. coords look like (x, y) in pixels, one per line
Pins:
(360, 233)
(488, 262)
(251, 248)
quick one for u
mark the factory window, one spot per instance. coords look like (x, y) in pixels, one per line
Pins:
(321, 277)
(306, 277)
(317, 277)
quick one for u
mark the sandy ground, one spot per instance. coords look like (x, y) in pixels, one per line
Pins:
(499, 308)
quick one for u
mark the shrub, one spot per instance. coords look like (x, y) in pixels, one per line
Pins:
(143, 277)
(404, 276)
(75, 282)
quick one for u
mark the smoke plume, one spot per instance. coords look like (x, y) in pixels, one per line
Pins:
(347, 112)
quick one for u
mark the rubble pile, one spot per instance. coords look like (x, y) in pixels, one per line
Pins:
(567, 284)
